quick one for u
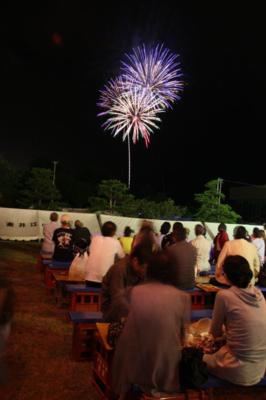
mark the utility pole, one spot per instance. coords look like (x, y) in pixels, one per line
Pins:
(219, 189)
(55, 163)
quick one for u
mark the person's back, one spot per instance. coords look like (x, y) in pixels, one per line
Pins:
(238, 246)
(114, 286)
(241, 312)
(185, 255)
(148, 351)
(245, 322)
(203, 247)
(103, 252)
(126, 243)
(259, 243)
(171, 238)
(124, 274)
(81, 232)
(126, 240)
(146, 237)
(218, 242)
(164, 230)
(47, 248)
(63, 239)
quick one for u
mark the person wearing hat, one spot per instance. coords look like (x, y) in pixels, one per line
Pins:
(63, 239)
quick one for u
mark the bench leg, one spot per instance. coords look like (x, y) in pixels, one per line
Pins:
(83, 342)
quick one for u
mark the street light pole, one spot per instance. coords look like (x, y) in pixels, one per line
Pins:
(55, 163)
(219, 189)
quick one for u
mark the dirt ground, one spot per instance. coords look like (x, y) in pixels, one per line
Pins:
(38, 353)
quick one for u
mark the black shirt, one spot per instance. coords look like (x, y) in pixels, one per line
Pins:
(81, 232)
(63, 239)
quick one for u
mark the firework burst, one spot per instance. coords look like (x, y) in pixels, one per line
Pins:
(157, 70)
(135, 112)
(150, 82)
(110, 93)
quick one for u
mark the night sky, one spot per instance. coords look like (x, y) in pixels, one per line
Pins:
(57, 57)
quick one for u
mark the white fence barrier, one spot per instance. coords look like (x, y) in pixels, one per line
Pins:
(21, 224)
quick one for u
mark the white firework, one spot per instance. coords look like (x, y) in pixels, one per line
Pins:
(134, 113)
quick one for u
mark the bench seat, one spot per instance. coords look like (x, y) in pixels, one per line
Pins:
(201, 313)
(84, 298)
(197, 297)
(84, 317)
(83, 337)
(215, 382)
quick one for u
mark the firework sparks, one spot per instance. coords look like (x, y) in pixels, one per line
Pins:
(133, 111)
(157, 70)
(149, 84)
(111, 91)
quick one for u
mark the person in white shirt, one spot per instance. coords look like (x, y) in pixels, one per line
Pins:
(103, 252)
(259, 243)
(238, 247)
(203, 247)
(47, 249)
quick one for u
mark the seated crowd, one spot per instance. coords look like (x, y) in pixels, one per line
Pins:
(144, 281)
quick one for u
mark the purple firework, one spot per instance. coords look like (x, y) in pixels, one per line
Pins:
(157, 70)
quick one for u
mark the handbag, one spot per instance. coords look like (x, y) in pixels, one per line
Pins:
(114, 331)
(193, 372)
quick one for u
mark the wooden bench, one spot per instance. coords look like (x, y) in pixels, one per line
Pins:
(210, 292)
(101, 373)
(180, 396)
(197, 297)
(217, 383)
(101, 378)
(207, 391)
(201, 313)
(61, 279)
(42, 262)
(83, 337)
(208, 287)
(52, 267)
(84, 298)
